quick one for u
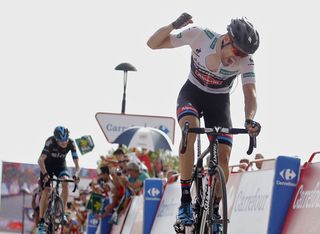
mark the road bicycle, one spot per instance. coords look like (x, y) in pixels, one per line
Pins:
(209, 182)
(54, 215)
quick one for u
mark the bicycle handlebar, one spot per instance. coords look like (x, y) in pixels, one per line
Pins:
(66, 180)
(215, 131)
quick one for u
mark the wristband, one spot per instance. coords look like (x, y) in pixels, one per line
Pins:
(249, 122)
(253, 123)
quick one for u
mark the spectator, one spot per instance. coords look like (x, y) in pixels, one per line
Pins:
(244, 160)
(82, 212)
(136, 178)
(243, 166)
(259, 157)
(111, 187)
(72, 226)
(144, 158)
(158, 168)
(122, 159)
(172, 176)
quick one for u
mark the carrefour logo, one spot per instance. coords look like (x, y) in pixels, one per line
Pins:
(289, 177)
(288, 174)
(93, 221)
(153, 192)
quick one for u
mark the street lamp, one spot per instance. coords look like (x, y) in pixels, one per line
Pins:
(125, 67)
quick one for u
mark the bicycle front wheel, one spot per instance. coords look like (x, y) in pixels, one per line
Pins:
(57, 220)
(217, 220)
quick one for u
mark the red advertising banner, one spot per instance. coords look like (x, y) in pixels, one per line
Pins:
(304, 211)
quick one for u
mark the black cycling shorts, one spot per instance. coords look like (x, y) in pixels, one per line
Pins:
(215, 108)
(57, 171)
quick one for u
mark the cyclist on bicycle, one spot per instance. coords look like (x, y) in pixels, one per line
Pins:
(52, 162)
(216, 60)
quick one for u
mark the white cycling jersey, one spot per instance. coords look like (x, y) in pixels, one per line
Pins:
(203, 43)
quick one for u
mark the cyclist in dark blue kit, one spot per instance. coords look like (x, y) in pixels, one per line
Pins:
(52, 161)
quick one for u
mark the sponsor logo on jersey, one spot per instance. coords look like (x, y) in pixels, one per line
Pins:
(207, 79)
(209, 34)
(227, 72)
(58, 155)
(248, 74)
(251, 62)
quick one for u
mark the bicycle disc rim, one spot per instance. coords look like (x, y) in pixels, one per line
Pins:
(219, 174)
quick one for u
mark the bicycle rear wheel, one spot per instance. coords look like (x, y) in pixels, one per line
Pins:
(218, 190)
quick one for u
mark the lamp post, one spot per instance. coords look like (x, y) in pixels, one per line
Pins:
(125, 67)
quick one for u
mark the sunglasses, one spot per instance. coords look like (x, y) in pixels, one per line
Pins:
(237, 52)
(63, 142)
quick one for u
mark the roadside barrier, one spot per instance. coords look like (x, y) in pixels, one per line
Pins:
(117, 228)
(167, 211)
(304, 210)
(285, 181)
(153, 189)
(250, 201)
(134, 220)
(258, 200)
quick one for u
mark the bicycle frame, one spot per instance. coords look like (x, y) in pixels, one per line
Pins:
(203, 192)
(55, 209)
(204, 195)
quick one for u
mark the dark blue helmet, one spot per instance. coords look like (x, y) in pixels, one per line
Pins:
(61, 133)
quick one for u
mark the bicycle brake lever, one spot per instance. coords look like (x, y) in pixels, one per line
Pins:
(75, 187)
(252, 144)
